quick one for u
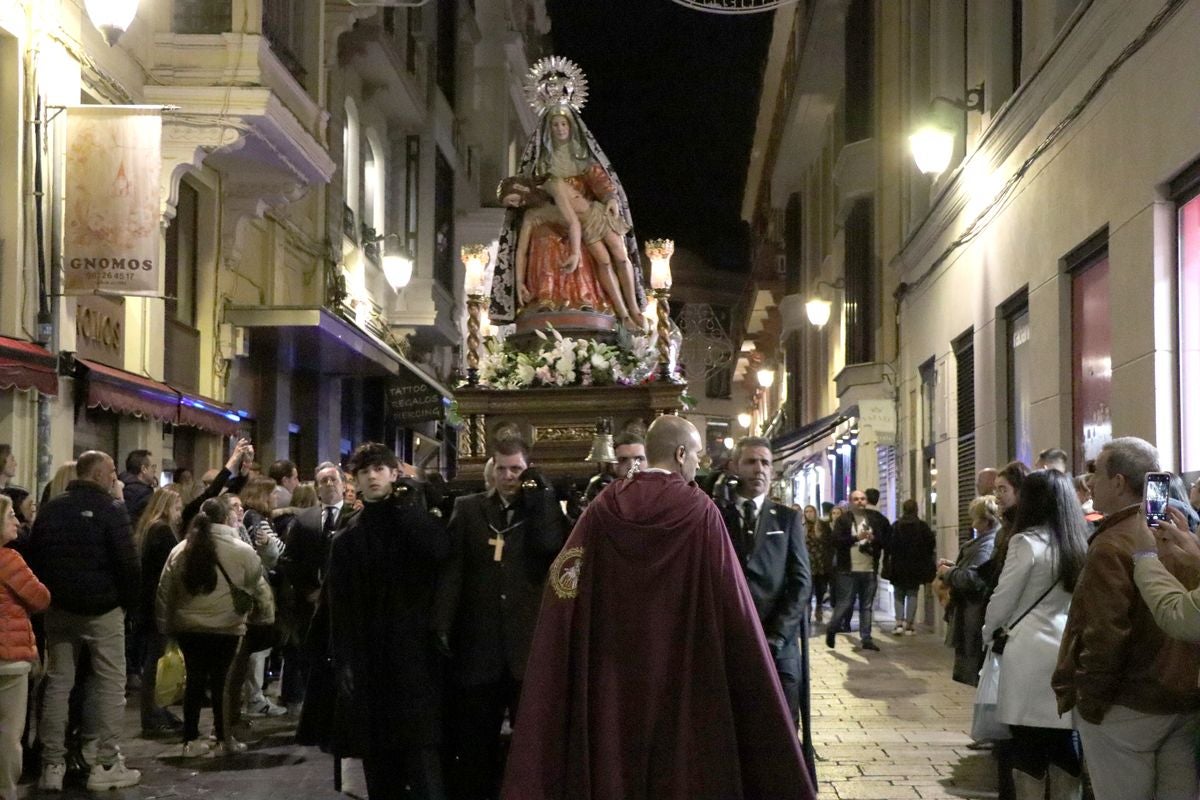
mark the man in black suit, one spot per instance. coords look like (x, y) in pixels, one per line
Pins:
(769, 540)
(303, 565)
(502, 544)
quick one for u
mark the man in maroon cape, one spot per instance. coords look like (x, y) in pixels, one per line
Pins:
(649, 677)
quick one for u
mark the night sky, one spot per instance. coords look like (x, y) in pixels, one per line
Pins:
(673, 97)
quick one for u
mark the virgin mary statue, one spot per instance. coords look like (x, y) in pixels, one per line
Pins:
(536, 267)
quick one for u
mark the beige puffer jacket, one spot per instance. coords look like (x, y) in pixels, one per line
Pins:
(176, 610)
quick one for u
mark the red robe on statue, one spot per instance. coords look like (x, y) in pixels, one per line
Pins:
(649, 678)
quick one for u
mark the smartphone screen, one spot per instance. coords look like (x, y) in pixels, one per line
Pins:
(1157, 486)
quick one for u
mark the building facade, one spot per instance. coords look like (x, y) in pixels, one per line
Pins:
(1037, 290)
(302, 143)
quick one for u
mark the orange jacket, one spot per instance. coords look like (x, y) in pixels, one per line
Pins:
(22, 594)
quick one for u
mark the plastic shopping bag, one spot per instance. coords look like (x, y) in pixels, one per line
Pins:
(170, 677)
(984, 725)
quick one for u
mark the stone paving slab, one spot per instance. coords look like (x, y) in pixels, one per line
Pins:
(893, 725)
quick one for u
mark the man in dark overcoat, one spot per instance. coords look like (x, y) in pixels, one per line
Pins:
(382, 574)
(504, 541)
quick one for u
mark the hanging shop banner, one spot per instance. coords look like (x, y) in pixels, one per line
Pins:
(112, 212)
(412, 400)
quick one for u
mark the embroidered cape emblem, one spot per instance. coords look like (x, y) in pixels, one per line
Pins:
(564, 573)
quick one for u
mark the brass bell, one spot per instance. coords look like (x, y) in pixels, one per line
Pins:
(602, 445)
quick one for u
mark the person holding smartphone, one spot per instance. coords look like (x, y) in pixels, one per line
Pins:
(1132, 689)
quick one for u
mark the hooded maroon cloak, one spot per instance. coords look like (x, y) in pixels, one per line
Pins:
(649, 678)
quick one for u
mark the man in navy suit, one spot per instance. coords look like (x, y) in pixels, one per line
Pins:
(769, 540)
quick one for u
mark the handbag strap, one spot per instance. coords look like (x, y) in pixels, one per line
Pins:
(1036, 603)
(227, 580)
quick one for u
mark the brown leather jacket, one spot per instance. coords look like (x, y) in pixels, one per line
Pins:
(1112, 651)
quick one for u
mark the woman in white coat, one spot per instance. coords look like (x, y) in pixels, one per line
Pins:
(1030, 604)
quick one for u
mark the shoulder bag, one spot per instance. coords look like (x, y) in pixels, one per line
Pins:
(1000, 635)
(243, 601)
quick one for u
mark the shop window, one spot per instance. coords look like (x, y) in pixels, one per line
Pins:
(1019, 389)
(1189, 332)
(1091, 348)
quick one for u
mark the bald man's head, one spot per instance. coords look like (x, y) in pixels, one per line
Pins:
(673, 444)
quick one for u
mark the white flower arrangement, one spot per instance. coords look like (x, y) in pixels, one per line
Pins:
(563, 361)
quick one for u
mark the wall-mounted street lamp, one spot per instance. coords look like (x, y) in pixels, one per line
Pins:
(660, 251)
(475, 258)
(932, 145)
(818, 308)
(744, 419)
(766, 377)
(397, 262)
(111, 17)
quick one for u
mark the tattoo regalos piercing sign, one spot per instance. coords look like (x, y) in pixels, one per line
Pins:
(113, 208)
(411, 400)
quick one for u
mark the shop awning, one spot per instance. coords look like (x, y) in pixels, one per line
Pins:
(25, 366)
(207, 415)
(126, 393)
(313, 338)
(784, 447)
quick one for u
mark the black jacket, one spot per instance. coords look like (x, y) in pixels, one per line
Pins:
(137, 497)
(156, 547)
(911, 553)
(82, 549)
(777, 569)
(843, 537)
(489, 608)
(383, 569)
(305, 560)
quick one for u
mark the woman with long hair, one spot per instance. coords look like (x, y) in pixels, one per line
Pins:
(1026, 617)
(58, 484)
(198, 603)
(911, 558)
(818, 536)
(156, 534)
(1007, 491)
(21, 594)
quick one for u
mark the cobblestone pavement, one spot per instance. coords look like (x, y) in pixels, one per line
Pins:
(888, 726)
(893, 725)
(272, 769)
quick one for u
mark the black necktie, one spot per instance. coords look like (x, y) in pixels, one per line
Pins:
(330, 519)
(749, 523)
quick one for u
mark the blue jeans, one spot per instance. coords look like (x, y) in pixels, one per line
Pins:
(851, 585)
(906, 604)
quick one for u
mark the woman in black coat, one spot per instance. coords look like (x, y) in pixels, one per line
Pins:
(969, 590)
(910, 563)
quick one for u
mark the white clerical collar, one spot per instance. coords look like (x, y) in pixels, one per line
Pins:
(656, 469)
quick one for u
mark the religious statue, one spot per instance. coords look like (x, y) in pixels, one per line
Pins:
(567, 240)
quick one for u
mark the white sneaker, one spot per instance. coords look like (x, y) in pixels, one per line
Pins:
(898, 630)
(267, 709)
(910, 632)
(196, 748)
(52, 777)
(113, 776)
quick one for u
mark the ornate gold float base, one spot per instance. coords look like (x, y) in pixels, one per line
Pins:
(558, 424)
